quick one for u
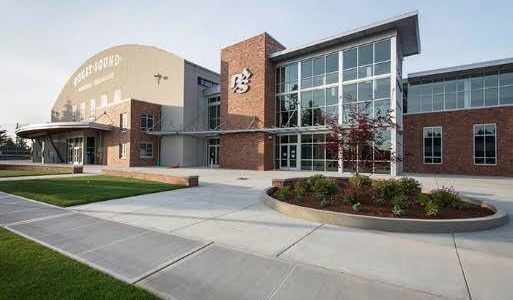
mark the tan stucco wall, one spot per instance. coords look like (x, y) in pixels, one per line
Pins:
(133, 75)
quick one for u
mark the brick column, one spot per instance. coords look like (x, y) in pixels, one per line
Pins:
(252, 109)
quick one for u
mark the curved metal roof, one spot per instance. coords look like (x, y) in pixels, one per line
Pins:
(41, 129)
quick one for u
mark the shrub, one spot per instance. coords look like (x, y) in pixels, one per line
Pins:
(398, 211)
(430, 208)
(410, 188)
(301, 188)
(386, 190)
(353, 194)
(399, 201)
(357, 206)
(323, 188)
(446, 197)
(284, 192)
(361, 180)
(423, 199)
(313, 179)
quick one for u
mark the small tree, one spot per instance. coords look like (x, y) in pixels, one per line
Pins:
(3, 136)
(360, 138)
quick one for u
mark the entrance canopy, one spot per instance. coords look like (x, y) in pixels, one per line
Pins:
(37, 130)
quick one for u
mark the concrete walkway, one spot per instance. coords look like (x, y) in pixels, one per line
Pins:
(174, 267)
(225, 210)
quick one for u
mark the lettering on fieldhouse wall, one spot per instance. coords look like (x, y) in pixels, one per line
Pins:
(240, 82)
(97, 66)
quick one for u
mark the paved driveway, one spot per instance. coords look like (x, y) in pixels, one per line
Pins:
(225, 209)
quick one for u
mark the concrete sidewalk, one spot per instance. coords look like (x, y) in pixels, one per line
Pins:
(174, 267)
(226, 210)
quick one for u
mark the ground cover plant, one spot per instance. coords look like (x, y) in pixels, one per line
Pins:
(393, 198)
(16, 173)
(82, 189)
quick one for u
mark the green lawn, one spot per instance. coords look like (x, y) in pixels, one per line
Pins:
(16, 173)
(71, 191)
(31, 271)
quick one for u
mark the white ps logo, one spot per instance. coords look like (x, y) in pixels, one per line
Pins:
(240, 82)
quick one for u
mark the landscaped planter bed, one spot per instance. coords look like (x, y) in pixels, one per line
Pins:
(465, 214)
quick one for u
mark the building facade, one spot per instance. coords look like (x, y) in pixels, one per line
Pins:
(141, 106)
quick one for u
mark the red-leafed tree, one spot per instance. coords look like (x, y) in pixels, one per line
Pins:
(360, 139)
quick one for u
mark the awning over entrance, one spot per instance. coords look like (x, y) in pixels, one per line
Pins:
(37, 130)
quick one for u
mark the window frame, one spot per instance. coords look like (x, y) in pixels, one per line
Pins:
(432, 145)
(122, 151)
(146, 118)
(123, 122)
(484, 148)
(146, 150)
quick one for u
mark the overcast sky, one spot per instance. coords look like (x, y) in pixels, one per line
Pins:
(43, 42)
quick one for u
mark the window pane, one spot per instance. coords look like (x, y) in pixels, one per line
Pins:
(479, 146)
(318, 98)
(332, 96)
(306, 99)
(438, 102)
(364, 72)
(318, 66)
(479, 129)
(382, 88)
(438, 87)
(306, 151)
(450, 86)
(306, 117)
(506, 96)
(476, 82)
(332, 63)
(365, 55)
(490, 80)
(413, 105)
(476, 98)
(350, 59)
(365, 90)
(490, 146)
(437, 147)
(350, 74)
(382, 51)
(427, 103)
(506, 78)
(382, 68)
(450, 100)
(428, 147)
(332, 78)
(489, 129)
(306, 68)
(491, 97)
(349, 92)
(306, 83)
(381, 107)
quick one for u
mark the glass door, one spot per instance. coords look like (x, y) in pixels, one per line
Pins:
(288, 157)
(213, 153)
(77, 155)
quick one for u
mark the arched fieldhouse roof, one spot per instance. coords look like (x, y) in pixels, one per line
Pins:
(125, 71)
(42, 129)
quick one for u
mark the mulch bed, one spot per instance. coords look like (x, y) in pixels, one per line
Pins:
(370, 208)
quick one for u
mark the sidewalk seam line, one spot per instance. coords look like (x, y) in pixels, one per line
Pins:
(299, 240)
(172, 262)
(281, 283)
(461, 266)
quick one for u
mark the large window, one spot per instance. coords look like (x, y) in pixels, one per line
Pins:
(474, 91)
(318, 153)
(367, 60)
(146, 150)
(286, 96)
(214, 112)
(146, 122)
(485, 144)
(316, 103)
(318, 71)
(122, 151)
(123, 121)
(206, 83)
(433, 145)
(370, 96)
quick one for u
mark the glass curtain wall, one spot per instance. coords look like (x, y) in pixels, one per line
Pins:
(471, 91)
(308, 90)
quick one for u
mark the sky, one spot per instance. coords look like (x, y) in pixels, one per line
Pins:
(42, 43)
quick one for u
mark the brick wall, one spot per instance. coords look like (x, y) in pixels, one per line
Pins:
(457, 141)
(253, 109)
(131, 137)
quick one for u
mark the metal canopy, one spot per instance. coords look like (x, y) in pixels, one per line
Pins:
(42, 129)
(272, 130)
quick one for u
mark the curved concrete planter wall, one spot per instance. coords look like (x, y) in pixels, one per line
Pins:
(499, 218)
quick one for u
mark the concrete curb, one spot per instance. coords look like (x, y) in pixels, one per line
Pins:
(499, 218)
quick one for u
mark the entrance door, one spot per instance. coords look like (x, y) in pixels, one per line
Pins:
(288, 157)
(213, 152)
(77, 155)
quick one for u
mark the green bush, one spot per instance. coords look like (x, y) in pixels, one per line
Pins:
(400, 201)
(324, 187)
(430, 208)
(398, 211)
(410, 188)
(386, 190)
(301, 188)
(422, 199)
(446, 197)
(361, 180)
(357, 206)
(284, 192)
(313, 179)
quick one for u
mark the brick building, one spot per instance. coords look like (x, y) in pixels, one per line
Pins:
(139, 106)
